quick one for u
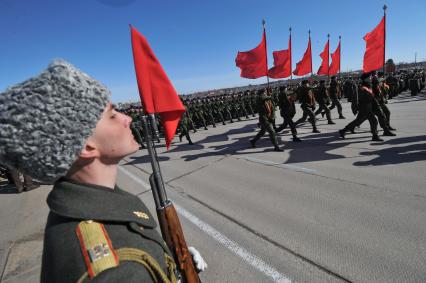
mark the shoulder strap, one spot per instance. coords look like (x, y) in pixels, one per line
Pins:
(96, 247)
(99, 254)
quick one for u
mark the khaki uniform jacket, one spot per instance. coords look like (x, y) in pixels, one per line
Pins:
(125, 217)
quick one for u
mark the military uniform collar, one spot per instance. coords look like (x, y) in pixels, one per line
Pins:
(92, 202)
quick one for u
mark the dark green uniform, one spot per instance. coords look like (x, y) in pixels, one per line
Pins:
(323, 99)
(307, 103)
(125, 219)
(334, 90)
(266, 110)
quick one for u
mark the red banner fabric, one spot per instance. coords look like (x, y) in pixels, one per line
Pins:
(335, 61)
(304, 66)
(155, 89)
(375, 48)
(325, 54)
(253, 63)
(282, 63)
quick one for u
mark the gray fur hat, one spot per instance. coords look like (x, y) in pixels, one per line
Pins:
(45, 121)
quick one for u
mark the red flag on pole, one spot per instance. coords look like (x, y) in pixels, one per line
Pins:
(335, 61)
(324, 69)
(282, 63)
(304, 66)
(155, 89)
(253, 63)
(375, 48)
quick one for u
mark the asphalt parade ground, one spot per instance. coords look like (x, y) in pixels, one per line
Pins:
(324, 210)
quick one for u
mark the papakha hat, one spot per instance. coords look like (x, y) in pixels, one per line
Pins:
(45, 121)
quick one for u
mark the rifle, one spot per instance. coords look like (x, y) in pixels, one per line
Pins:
(171, 228)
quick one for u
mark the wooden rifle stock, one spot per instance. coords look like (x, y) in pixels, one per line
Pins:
(175, 240)
(171, 228)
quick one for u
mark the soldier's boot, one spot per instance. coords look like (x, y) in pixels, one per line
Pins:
(376, 138)
(28, 183)
(341, 116)
(296, 139)
(189, 140)
(388, 133)
(391, 128)
(180, 137)
(253, 142)
(278, 149)
(342, 133)
(330, 122)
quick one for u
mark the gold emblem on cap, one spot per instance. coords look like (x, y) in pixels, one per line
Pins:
(141, 214)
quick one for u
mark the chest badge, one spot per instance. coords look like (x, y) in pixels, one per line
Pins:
(141, 214)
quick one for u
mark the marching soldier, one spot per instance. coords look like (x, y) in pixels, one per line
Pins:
(307, 101)
(266, 110)
(286, 98)
(323, 100)
(334, 95)
(184, 128)
(364, 108)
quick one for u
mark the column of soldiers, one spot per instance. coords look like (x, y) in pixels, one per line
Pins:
(315, 97)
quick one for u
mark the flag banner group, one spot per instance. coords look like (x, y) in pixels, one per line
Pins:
(254, 63)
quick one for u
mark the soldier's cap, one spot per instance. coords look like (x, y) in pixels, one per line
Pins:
(45, 120)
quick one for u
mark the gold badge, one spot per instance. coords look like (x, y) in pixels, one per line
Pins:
(141, 214)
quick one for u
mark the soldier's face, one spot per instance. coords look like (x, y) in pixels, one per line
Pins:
(113, 137)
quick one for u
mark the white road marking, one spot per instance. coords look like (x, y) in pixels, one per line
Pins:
(244, 254)
(134, 177)
(281, 165)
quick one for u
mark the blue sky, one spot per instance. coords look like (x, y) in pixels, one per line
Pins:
(195, 41)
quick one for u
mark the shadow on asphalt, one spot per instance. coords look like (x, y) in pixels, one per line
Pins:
(397, 154)
(6, 188)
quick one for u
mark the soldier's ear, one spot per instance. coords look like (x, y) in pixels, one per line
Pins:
(89, 150)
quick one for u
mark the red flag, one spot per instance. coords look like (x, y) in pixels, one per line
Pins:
(282, 63)
(335, 61)
(323, 69)
(253, 63)
(374, 55)
(304, 66)
(155, 89)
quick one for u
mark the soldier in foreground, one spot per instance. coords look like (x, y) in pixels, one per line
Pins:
(95, 231)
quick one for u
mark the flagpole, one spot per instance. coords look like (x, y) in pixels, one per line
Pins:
(310, 51)
(328, 57)
(384, 38)
(340, 50)
(266, 55)
(291, 67)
